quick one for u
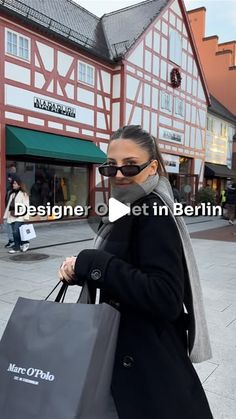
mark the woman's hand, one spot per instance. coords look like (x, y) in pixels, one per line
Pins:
(66, 270)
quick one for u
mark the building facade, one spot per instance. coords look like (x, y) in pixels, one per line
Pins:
(219, 64)
(70, 79)
(175, 115)
(219, 145)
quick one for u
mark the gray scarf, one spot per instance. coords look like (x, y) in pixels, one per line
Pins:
(200, 348)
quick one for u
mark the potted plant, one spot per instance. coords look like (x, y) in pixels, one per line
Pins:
(205, 195)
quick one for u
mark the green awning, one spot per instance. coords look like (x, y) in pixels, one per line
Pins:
(20, 141)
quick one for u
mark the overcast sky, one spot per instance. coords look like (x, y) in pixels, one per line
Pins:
(220, 16)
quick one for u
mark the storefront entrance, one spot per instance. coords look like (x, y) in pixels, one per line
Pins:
(183, 181)
(52, 184)
(55, 169)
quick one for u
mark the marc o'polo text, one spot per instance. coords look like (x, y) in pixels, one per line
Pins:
(31, 372)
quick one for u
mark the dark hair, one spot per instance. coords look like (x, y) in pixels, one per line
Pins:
(20, 183)
(144, 140)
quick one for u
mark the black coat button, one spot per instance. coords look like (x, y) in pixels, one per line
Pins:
(128, 361)
(96, 274)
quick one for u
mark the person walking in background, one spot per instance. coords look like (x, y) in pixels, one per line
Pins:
(223, 201)
(19, 196)
(144, 266)
(176, 193)
(231, 202)
(10, 178)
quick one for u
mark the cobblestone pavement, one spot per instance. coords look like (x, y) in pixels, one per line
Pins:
(34, 273)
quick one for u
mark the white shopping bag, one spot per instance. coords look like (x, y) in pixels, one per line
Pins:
(27, 232)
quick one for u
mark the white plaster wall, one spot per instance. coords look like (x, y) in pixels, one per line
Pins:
(64, 62)
(137, 116)
(155, 93)
(103, 147)
(131, 87)
(115, 116)
(35, 121)
(116, 86)
(148, 39)
(148, 61)
(146, 119)
(14, 116)
(128, 109)
(47, 55)
(69, 88)
(101, 122)
(106, 81)
(175, 8)
(55, 125)
(154, 119)
(86, 116)
(136, 57)
(147, 94)
(17, 73)
(187, 136)
(85, 96)
(156, 66)
(39, 80)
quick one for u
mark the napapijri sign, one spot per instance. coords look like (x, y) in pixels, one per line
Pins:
(31, 372)
(48, 105)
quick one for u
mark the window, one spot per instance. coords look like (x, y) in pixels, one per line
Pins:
(210, 124)
(175, 48)
(86, 73)
(17, 45)
(166, 101)
(223, 130)
(59, 185)
(179, 107)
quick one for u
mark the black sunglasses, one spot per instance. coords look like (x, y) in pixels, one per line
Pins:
(126, 170)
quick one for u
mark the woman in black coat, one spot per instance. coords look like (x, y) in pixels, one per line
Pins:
(140, 268)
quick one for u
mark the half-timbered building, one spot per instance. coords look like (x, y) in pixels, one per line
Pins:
(69, 79)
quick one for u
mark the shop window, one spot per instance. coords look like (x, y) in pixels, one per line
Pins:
(86, 73)
(53, 185)
(185, 165)
(210, 124)
(179, 107)
(17, 45)
(166, 101)
(175, 47)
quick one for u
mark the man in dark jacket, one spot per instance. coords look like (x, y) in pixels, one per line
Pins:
(231, 202)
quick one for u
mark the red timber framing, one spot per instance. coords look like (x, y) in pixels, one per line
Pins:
(191, 129)
(52, 72)
(2, 130)
(61, 85)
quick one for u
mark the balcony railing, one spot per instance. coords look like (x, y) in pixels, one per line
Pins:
(35, 16)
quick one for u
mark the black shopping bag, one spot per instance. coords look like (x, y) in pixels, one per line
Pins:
(56, 360)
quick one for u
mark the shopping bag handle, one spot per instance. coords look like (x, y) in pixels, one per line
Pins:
(84, 298)
(62, 292)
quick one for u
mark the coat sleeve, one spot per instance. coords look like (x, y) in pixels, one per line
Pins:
(156, 283)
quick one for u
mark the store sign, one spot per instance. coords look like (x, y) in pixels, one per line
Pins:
(171, 163)
(44, 105)
(167, 135)
(48, 105)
